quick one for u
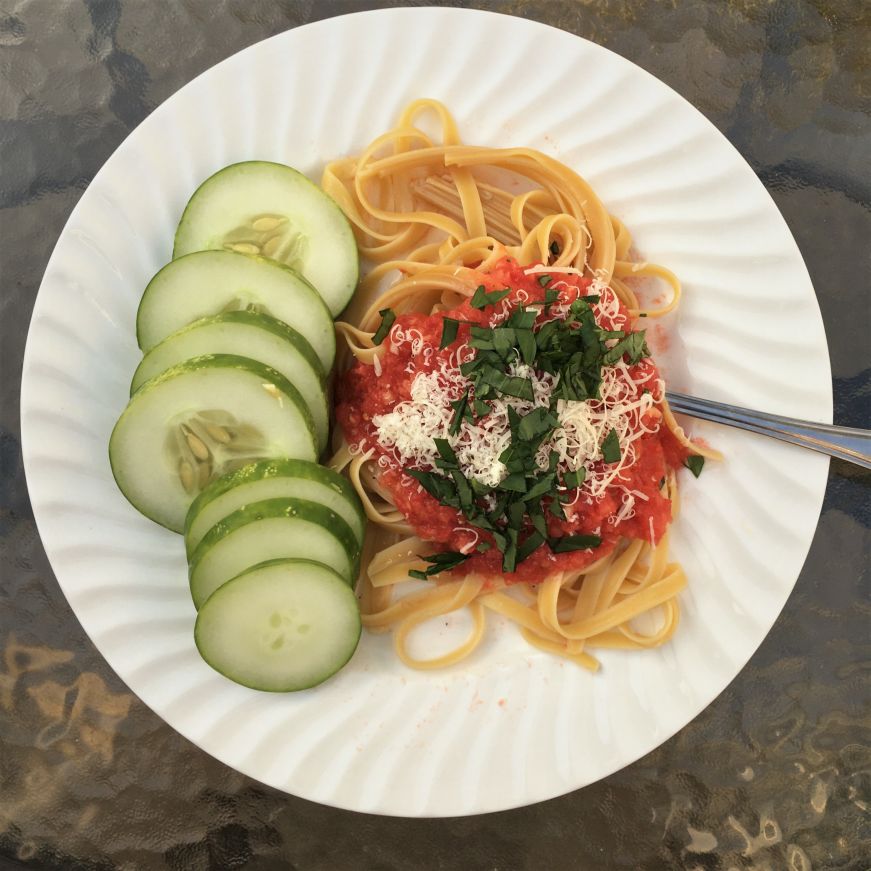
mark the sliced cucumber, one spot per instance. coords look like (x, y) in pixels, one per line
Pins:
(211, 282)
(198, 421)
(271, 479)
(267, 208)
(281, 626)
(247, 334)
(272, 529)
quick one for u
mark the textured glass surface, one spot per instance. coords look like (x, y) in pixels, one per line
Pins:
(776, 773)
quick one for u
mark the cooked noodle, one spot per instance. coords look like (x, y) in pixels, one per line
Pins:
(438, 213)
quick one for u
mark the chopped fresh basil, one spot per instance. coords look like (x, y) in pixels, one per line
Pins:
(388, 316)
(439, 487)
(482, 297)
(461, 412)
(538, 422)
(540, 524)
(446, 452)
(510, 385)
(632, 345)
(530, 544)
(439, 562)
(449, 332)
(574, 479)
(611, 447)
(568, 543)
(695, 463)
(504, 339)
(515, 482)
(464, 492)
(540, 488)
(509, 552)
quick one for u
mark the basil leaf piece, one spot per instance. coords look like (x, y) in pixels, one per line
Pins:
(449, 332)
(440, 488)
(545, 280)
(515, 482)
(479, 488)
(482, 298)
(445, 561)
(388, 316)
(481, 408)
(540, 524)
(568, 543)
(529, 545)
(510, 385)
(527, 346)
(632, 345)
(503, 341)
(538, 422)
(540, 488)
(695, 464)
(575, 479)
(481, 338)
(446, 452)
(522, 318)
(439, 562)
(509, 554)
(483, 546)
(469, 368)
(464, 492)
(611, 447)
(460, 407)
(516, 510)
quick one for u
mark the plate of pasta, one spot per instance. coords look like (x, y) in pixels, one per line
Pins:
(466, 448)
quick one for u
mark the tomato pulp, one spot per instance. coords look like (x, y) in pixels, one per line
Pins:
(363, 395)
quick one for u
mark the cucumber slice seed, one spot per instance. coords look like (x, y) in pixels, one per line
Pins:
(208, 283)
(272, 529)
(247, 334)
(198, 420)
(259, 207)
(280, 626)
(270, 479)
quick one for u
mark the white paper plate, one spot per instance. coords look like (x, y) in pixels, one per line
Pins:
(511, 726)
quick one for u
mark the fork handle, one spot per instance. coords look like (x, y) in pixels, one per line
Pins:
(845, 443)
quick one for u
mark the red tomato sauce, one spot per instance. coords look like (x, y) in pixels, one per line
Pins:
(361, 395)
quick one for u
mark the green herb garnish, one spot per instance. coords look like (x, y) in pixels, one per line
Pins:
(611, 447)
(573, 480)
(568, 543)
(482, 297)
(439, 562)
(449, 332)
(388, 316)
(695, 464)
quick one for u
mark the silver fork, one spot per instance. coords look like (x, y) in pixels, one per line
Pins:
(843, 442)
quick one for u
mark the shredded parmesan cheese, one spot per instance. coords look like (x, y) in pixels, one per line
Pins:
(409, 429)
